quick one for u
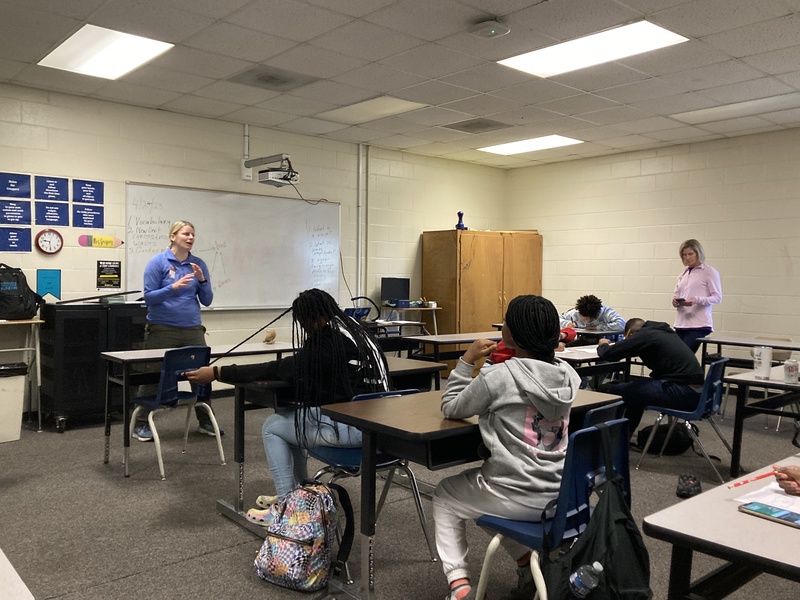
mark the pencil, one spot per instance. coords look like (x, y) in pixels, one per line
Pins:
(756, 478)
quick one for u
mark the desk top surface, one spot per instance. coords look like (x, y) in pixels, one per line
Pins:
(711, 522)
(731, 340)
(399, 365)
(455, 338)
(21, 321)
(133, 356)
(775, 379)
(419, 416)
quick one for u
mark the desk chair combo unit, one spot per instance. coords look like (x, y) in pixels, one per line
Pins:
(584, 470)
(707, 406)
(346, 462)
(176, 362)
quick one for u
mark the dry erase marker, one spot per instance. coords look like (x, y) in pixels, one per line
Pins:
(756, 478)
(99, 241)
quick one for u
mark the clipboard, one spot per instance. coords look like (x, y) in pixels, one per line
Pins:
(773, 513)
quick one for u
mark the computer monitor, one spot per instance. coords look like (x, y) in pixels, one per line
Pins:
(395, 288)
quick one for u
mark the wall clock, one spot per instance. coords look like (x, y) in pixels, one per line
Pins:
(49, 241)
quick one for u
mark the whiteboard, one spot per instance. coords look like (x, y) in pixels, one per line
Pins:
(261, 251)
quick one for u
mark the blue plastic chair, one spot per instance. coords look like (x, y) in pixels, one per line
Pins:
(602, 414)
(707, 406)
(346, 462)
(584, 470)
(176, 362)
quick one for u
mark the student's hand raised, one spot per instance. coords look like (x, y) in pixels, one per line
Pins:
(479, 349)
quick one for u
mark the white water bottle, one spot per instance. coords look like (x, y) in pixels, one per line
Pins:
(585, 579)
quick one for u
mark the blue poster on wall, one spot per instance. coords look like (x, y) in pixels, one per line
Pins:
(15, 239)
(87, 216)
(14, 212)
(90, 192)
(54, 214)
(48, 281)
(15, 185)
(51, 188)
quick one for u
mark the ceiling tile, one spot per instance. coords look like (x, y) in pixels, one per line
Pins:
(241, 94)
(156, 77)
(258, 116)
(742, 124)
(579, 104)
(536, 90)
(9, 68)
(648, 125)
(434, 93)
(209, 8)
(317, 62)
(569, 19)
(379, 78)
(431, 60)
(334, 93)
(487, 77)
(310, 126)
(296, 105)
(775, 62)
(149, 18)
(599, 77)
(759, 37)
(704, 17)
(747, 90)
(400, 142)
(139, 95)
(200, 62)
(62, 81)
(673, 59)
(426, 20)
(290, 19)
(616, 114)
(703, 78)
(238, 42)
(195, 105)
(354, 8)
(482, 105)
(78, 9)
(366, 41)
(16, 25)
(527, 115)
(356, 135)
(789, 117)
(670, 105)
(435, 116)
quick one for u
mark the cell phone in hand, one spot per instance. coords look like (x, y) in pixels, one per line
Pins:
(680, 299)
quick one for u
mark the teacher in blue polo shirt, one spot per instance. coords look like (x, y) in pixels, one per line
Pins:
(176, 283)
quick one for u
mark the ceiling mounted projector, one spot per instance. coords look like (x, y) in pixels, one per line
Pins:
(277, 176)
(489, 29)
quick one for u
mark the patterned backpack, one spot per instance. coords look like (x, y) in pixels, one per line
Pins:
(297, 552)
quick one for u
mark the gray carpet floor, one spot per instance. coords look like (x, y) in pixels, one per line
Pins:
(76, 529)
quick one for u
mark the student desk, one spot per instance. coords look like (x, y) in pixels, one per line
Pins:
(412, 427)
(405, 373)
(121, 371)
(711, 348)
(788, 393)
(449, 339)
(30, 348)
(711, 523)
(421, 309)
(586, 363)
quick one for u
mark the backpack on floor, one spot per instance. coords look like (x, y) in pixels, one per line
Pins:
(298, 550)
(17, 300)
(679, 442)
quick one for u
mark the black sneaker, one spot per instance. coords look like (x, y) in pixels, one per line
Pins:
(688, 486)
(206, 428)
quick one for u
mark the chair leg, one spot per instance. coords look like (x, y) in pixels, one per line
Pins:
(724, 400)
(649, 440)
(420, 510)
(719, 433)
(157, 440)
(483, 582)
(189, 408)
(696, 439)
(538, 577)
(214, 424)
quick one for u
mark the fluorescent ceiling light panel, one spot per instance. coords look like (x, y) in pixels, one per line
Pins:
(370, 110)
(531, 145)
(101, 52)
(740, 109)
(594, 49)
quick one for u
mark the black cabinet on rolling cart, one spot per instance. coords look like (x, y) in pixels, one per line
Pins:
(72, 338)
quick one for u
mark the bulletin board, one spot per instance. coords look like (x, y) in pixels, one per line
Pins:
(261, 251)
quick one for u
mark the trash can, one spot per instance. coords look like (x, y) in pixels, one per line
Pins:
(12, 399)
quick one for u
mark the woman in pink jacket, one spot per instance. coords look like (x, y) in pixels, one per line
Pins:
(697, 289)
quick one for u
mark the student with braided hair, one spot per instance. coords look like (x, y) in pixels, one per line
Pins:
(335, 359)
(523, 406)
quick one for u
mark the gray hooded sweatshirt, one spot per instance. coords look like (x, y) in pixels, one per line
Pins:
(523, 407)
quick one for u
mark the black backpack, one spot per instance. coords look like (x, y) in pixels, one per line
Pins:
(17, 300)
(679, 442)
(612, 538)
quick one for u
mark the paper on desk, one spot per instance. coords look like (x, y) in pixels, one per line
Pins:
(772, 495)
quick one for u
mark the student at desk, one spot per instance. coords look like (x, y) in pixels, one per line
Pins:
(336, 359)
(676, 377)
(523, 407)
(591, 313)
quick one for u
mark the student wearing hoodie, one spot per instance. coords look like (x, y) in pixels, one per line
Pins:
(523, 406)
(676, 377)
